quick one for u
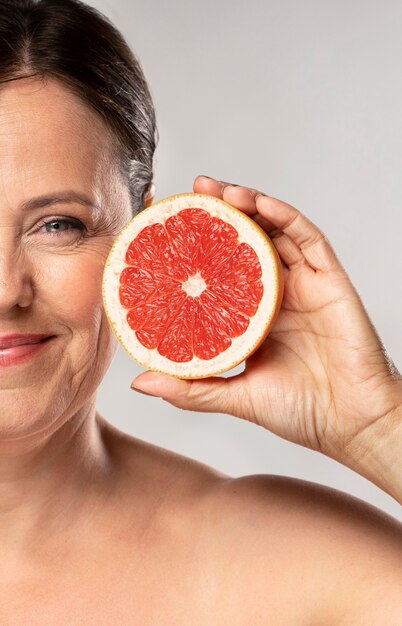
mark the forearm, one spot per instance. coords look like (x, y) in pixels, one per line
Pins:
(377, 453)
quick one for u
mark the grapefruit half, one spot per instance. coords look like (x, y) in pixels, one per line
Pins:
(192, 286)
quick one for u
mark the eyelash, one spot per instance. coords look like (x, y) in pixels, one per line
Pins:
(75, 223)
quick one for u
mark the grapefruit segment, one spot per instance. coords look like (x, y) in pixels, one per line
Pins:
(242, 267)
(226, 317)
(244, 297)
(151, 319)
(217, 244)
(192, 286)
(185, 231)
(183, 242)
(177, 342)
(152, 250)
(138, 285)
(209, 340)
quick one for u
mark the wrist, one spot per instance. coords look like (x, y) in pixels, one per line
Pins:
(376, 452)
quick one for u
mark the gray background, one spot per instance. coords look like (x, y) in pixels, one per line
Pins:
(302, 100)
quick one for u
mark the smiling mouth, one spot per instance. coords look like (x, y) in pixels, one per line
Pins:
(12, 341)
(22, 343)
(16, 354)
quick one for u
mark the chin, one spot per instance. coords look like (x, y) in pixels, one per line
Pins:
(25, 414)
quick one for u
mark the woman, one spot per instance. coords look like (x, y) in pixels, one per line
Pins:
(97, 527)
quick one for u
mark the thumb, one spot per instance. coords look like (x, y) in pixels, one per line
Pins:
(214, 394)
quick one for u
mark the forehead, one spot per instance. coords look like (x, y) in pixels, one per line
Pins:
(50, 140)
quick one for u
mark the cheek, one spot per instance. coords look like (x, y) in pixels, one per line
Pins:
(70, 286)
(73, 290)
(72, 293)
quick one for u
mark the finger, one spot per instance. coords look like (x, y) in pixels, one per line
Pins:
(210, 186)
(214, 394)
(289, 253)
(240, 197)
(310, 240)
(243, 198)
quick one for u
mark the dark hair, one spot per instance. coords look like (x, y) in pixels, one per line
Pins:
(75, 43)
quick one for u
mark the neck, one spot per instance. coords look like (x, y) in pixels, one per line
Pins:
(45, 483)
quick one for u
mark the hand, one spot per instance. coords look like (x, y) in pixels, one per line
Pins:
(322, 377)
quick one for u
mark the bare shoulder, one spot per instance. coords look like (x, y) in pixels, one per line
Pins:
(338, 554)
(249, 544)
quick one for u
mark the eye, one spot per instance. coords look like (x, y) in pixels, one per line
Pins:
(59, 226)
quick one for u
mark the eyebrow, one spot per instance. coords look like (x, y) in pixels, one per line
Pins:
(65, 197)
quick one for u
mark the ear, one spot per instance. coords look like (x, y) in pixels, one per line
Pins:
(149, 196)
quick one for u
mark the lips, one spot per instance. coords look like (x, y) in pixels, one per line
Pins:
(11, 341)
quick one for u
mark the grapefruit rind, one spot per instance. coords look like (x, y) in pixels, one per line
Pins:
(243, 346)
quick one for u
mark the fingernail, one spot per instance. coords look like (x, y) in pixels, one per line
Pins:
(204, 176)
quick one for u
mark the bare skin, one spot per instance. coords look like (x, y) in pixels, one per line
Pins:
(163, 539)
(97, 527)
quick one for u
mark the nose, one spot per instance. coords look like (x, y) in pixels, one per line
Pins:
(15, 282)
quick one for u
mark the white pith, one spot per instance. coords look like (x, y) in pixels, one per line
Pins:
(194, 285)
(241, 346)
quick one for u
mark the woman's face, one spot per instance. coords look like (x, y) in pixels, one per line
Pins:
(50, 274)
